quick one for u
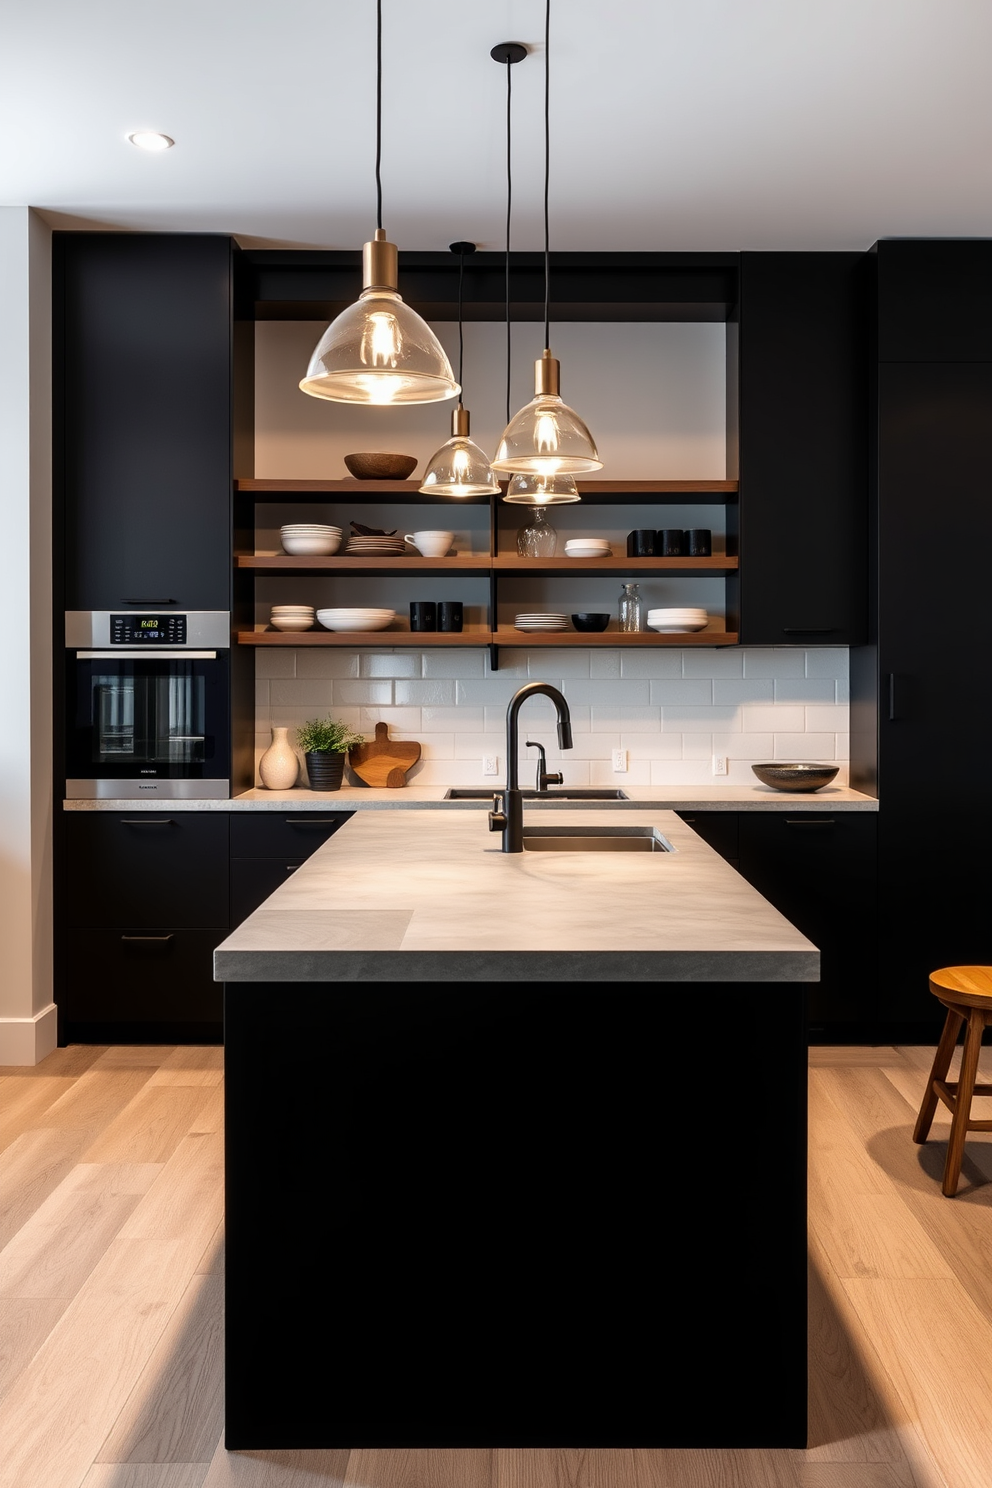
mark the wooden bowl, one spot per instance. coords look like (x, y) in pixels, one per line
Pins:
(380, 466)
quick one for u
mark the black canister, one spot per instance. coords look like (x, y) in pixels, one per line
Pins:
(669, 542)
(699, 542)
(450, 615)
(641, 543)
(423, 614)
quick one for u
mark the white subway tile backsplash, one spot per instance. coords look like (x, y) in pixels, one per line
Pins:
(363, 692)
(327, 663)
(671, 709)
(827, 661)
(390, 664)
(811, 690)
(774, 661)
(438, 692)
(668, 694)
(756, 690)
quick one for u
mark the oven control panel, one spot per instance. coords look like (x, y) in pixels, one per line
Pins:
(146, 629)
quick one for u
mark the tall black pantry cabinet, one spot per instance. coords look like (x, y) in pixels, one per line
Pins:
(152, 404)
(921, 704)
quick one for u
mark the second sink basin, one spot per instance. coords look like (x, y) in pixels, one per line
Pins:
(532, 795)
(594, 839)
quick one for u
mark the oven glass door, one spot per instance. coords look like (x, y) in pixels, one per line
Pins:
(164, 718)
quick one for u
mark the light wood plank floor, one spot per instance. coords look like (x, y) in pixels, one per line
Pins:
(111, 1273)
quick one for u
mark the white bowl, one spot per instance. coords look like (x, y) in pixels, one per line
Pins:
(300, 527)
(587, 542)
(292, 622)
(310, 546)
(355, 622)
(677, 627)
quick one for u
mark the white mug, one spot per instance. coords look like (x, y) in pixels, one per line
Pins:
(431, 544)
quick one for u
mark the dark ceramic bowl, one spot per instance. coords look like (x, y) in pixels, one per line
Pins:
(381, 466)
(586, 621)
(795, 777)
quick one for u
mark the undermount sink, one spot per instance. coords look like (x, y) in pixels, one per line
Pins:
(533, 795)
(594, 839)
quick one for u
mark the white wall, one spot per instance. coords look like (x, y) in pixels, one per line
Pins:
(27, 1013)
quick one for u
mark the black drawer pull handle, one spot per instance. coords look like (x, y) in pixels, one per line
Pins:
(291, 867)
(320, 821)
(145, 939)
(809, 629)
(149, 601)
(793, 822)
(152, 821)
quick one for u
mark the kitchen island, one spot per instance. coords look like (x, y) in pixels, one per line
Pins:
(516, 1146)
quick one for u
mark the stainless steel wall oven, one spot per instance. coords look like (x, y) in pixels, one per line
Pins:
(148, 704)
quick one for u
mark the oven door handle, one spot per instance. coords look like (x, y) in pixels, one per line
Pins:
(172, 652)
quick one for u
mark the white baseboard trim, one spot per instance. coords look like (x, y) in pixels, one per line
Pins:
(29, 1040)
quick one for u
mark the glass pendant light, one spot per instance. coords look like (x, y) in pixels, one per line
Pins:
(547, 437)
(460, 467)
(379, 351)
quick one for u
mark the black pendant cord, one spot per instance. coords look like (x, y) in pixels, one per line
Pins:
(461, 331)
(509, 205)
(547, 173)
(378, 115)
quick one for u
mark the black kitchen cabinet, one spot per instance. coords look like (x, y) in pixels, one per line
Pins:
(144, 390)
(819, 870)
(920, 706)
(718, 828)
(146, 901)
(266, 848)
(803, 448)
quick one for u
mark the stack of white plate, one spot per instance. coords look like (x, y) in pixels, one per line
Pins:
(587, 547)
(355, 618)
(540, 621)
(375, 547)
(314, 538)
(292, 617)
(672, 621)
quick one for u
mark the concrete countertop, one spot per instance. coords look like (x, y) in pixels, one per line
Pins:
(413, 798)
(429, 896)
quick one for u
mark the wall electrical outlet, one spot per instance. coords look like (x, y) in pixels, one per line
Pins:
(719, 764)
(490, 764)
(620, 761)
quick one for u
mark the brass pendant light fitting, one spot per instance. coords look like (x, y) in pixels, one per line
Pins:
(378, 350)
(546, 437)
(460, 468)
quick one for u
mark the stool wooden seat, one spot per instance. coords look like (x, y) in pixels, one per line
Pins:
(966, 993)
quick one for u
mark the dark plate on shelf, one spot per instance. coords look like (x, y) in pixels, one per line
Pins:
(795, 777)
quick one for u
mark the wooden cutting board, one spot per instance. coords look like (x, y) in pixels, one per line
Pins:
(385, 761)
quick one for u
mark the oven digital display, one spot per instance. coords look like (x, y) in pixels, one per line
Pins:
(161, 630)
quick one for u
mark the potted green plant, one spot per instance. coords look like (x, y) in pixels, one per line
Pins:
(324, 744)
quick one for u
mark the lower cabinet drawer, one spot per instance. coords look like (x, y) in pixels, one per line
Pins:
(288, 834)
(254, 879)
(719, 829)
(130, 977)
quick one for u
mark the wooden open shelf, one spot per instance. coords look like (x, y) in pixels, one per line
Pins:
(460, 563)
(719, 563)
(506, 635)
(350, 487)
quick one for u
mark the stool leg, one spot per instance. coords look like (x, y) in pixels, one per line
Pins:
(962, 1103)
(938, 1070)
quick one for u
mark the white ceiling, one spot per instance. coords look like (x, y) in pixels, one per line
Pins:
(702, 124)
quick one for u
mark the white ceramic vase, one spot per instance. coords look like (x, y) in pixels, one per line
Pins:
(279, 766)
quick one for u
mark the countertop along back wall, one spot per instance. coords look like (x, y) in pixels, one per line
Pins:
(654, 396)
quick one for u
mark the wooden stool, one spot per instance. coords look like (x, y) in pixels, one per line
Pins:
(966, 993)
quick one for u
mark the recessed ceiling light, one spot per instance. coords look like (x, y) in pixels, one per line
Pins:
(147, 139)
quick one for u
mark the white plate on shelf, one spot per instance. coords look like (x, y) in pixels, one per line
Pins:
(678, 627)
(292, 622)
(356, 619)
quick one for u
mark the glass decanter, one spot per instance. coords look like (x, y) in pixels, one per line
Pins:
(631, 608)
(538, 539)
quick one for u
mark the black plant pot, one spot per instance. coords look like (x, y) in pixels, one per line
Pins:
(325, 769)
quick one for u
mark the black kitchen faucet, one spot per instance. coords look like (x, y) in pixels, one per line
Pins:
(507, 815)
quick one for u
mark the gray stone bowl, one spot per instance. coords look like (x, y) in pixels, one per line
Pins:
(795, 777)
